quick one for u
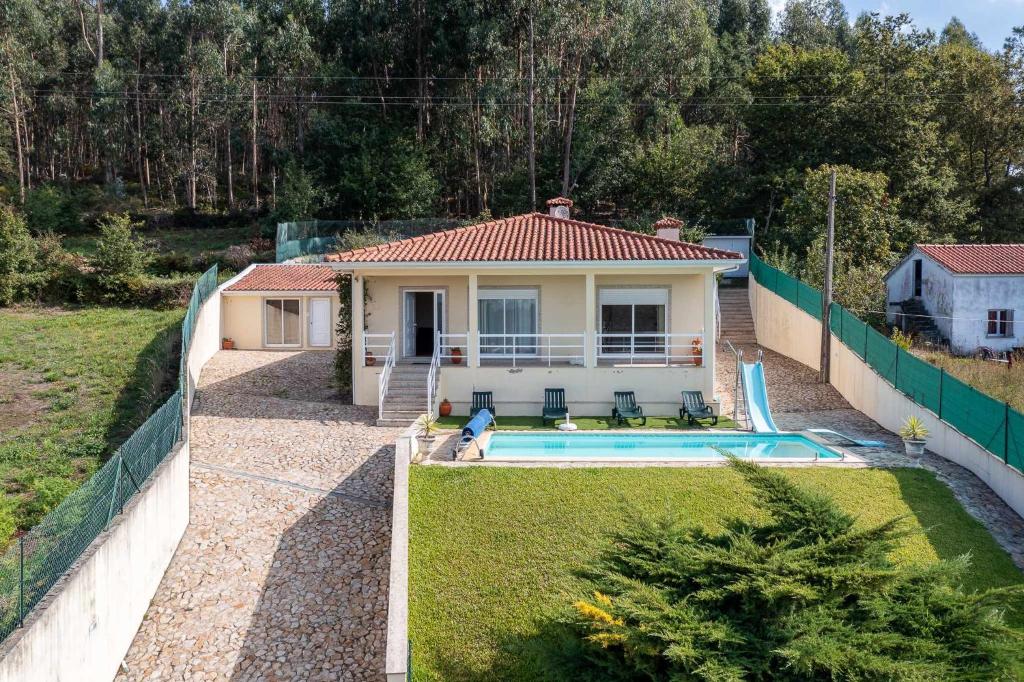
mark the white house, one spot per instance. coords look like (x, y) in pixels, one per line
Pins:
(972, 293)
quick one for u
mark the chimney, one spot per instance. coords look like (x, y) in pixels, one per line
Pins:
(668, 228)
(559, 207)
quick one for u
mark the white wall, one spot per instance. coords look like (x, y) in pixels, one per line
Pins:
(738, 243)
(974, 296)
(82, 629)
(937, 290)
(397, 653)
(868, 392)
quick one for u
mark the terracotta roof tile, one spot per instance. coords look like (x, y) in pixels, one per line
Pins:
(284, 277)
(979, 259)
(532, 237)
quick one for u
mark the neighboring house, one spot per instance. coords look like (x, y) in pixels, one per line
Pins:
(971, 293)
(732, 235)
(534, 301)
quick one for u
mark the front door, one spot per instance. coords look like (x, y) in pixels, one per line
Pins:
(320, 322)
(917, 278)
(422, 318)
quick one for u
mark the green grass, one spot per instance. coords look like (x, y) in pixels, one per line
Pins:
(188, 241)
(997, 379)
(584, 423)
(494, 550)
(74, 383)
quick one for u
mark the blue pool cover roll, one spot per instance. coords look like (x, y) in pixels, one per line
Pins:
(478, 424)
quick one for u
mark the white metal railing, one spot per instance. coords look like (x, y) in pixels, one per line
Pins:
(647, 348)
(435, 361)
(454, 348)
(387, 343)
(534, 348)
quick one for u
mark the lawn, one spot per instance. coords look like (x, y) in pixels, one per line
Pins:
(74, 383)
(584, 423)
(493, 551)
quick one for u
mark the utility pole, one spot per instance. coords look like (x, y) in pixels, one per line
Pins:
(826, 294)
(529, 113)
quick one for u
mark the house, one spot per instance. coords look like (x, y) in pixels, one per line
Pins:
(510, 306)
(967, 294)
(732, 235)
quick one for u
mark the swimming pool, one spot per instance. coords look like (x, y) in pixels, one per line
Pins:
(654, 446)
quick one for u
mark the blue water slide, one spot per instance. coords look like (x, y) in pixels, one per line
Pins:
(755, 397)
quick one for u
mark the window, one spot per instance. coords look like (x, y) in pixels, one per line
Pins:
(282, 321)
(508, 321)
(1000, 323)
(639, 315)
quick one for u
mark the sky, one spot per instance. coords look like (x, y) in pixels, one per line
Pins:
(990, 20)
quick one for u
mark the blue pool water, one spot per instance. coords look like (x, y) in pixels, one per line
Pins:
(653, 446)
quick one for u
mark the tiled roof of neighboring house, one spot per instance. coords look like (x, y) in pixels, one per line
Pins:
(532, 237)
(978, 259)
(283, 277)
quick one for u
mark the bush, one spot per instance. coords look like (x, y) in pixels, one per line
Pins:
(48, 209)
(162, 292)
(19, 269)
(121, 258)
(803, 595)
(238, 257)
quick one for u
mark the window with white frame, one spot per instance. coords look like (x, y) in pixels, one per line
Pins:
(1000, 323)
(508, 321)
(633, 321)
(282, 321)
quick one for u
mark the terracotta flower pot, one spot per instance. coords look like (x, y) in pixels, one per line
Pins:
(445, 408)
(370, 360)
(227, 344)
(456, 356)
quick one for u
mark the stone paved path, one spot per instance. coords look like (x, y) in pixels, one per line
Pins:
(799, 402)
(282, 573)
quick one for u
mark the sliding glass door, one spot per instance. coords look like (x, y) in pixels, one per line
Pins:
(508, 321)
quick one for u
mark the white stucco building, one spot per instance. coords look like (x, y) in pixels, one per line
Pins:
(973, 292)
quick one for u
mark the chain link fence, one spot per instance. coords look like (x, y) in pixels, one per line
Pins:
(994, 425)
(31, 566)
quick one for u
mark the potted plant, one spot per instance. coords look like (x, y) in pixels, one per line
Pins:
(227, 344)
(426, 427)
(913, 433)
(456, 358)
(370, 360)
(698, 352)
(445, 409)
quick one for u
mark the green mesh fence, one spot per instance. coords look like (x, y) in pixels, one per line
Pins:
(205, 286)
(991, 423)
(313, 238)
(33, 564)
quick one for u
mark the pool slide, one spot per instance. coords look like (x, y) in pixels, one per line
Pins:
(755, 398)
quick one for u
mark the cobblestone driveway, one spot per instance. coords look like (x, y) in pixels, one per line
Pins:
(282, 573)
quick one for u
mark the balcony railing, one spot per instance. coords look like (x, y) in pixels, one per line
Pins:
(650, 348)
(532, 349)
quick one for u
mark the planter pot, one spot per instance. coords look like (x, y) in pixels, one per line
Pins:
(445, 408)
(698, 360)
(370, 360)
(915, 448)
(227, 344)
(456, 358)
(426, 444)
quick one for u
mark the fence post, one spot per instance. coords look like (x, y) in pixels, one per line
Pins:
(896, 370)
(114, 491)
(1006, 433)
(942, 380)
(21, 582)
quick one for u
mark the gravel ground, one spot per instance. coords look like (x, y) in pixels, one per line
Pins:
(282, 573)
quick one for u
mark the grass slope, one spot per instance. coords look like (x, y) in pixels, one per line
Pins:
(74, 383)
(188, 241)
(494, 550)
(997, 379)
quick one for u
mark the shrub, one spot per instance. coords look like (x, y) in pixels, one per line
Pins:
(804, 594)
(19, 268)
(48, 209)
(63, 280)
(238, 257)
(121, 258)
(162, 292)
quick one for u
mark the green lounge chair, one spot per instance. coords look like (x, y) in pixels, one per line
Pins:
(694, 408)
(554, 405)
(482, 400)
(626, 408)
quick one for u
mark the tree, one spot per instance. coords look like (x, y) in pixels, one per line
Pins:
(19, 276)
(121, 258)
(813, 24)
(804, 594)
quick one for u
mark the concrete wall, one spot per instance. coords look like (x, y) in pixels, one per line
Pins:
(868, 392)
(205, 343)
(937, 290)
(397, 653)
(82, 629)
(973, 297)
(241, 319)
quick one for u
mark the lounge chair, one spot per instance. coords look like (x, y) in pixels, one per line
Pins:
(472, 431)
(694, 408)
(482, 400)
(554, 405)
(626, 408)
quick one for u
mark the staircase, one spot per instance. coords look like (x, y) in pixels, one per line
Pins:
(406, 398)
(737, 324)
(920, 324)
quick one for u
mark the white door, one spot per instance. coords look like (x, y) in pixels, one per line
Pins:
(320, 322)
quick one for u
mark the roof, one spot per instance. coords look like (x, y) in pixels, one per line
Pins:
(533, 237)
(285, 277)
(977, 259)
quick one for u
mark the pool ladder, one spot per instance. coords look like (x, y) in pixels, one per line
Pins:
(737, 393)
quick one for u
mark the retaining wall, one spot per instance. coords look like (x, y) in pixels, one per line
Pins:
(398, 655)
(785, 329)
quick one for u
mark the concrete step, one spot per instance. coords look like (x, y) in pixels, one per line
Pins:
(388, 421)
